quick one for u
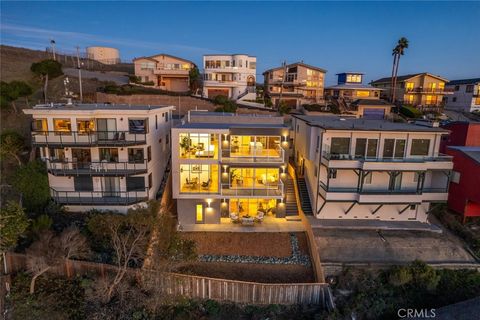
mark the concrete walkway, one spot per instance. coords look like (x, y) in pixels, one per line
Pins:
(353, 224)
(268, 225)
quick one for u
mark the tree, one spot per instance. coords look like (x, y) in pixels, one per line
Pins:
(127, 236)
(46, 69)
(12, 91)
(31, 181)
(397, 52)
(284, 108)
(51, 251)
(13, 224)
(194, 77)
(12, 144)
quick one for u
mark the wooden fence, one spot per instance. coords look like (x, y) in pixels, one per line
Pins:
(201, 287)
(312, 244)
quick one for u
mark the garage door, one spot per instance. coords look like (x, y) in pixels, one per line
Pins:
(212, 93)
(373, 113)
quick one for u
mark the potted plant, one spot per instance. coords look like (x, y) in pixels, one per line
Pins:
(185, 144)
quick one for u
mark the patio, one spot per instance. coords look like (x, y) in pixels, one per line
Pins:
(269, 224)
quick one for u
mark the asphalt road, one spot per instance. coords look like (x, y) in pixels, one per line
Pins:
(337, 245)
(117, 77)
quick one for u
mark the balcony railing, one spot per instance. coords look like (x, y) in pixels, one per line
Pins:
(441, 158)
(427, 90)
(381, 191)
(270, 190)
(276, 155)
(94, 138)
(95, 168)
(100, 198)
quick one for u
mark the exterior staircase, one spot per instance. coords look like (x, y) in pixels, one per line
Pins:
(304, 197)
(290, 201)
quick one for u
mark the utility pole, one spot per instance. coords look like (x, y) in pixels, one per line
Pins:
(79, 74)
(284, 64)
(52, 42)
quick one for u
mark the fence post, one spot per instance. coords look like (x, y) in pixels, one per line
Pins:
(67, 268)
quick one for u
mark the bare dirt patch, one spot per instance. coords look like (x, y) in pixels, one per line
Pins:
(250, 244)
(252, 272)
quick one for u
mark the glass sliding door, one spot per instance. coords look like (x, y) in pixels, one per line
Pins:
(111, 186)
(106, 129)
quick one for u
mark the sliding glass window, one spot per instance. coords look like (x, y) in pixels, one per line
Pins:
(198, 178)
(255, 146)
(198, 145)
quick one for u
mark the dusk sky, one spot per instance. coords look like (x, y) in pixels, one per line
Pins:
(337, 36)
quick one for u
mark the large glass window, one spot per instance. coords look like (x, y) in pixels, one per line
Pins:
(85, 126)
(135, 155)
(56, 154)
(255, 146)
(62, 126)
(420, 147)
(372, 148)
(198, 178)
(135, 183)
(109, 154)
(138, 125)
(254, 177)
(360, 147)
(39, 125)
(365, 148)
(399, 148)
(81, 158)
(198, 145)
(340, 146)
(83, 183)
(252, 207)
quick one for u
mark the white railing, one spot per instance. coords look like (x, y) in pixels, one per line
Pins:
(276, 189)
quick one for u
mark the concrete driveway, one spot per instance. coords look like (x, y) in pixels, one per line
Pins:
(336, 245)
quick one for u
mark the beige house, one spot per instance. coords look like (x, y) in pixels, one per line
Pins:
(370, 169)
(350, 88)
(166, 72)
(104, 157)
(295, 84)
(422, 90)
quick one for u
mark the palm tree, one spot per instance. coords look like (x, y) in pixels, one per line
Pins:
(397, 52)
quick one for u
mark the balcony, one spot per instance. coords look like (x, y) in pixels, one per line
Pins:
(63, 139)
(95, 168)
(249, 155)
(172, 71)
(428, 90)
(99, 198)
(275, 189)
(347, 161)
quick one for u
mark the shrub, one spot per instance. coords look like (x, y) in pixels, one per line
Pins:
(399, 276)
(410, 112)
(284, 108)
(220, 99)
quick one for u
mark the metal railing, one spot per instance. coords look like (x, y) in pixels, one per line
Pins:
(99, 197)
(427, 90)
(92, 138)
(441, 158)
(276, 189)
(67, 167)
(381, 191)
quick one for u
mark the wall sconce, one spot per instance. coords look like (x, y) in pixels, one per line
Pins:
(121, 119)
(283, 168)
(66, 149)
(209, 203)
(225, 168)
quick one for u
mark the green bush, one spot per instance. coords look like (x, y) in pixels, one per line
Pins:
(220, 99)
(400, 276)
(284, 108)
(410, 112)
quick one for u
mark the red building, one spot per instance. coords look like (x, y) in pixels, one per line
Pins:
(461, 134)
(464, 192)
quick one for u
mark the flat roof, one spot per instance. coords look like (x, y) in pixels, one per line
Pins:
(94, 106)
(463, 81)
(203, 125)
(343, 123)
(353, 86)
(472, 152)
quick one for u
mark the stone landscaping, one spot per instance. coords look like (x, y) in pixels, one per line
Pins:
(295, 258)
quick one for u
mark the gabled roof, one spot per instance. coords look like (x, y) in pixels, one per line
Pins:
(297, 64)
(162, 54)
(463, 81)
(406, 77)
(353, 86)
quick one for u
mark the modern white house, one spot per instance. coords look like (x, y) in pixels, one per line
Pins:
(370, 169)
(229, 168)
(102, 156)
(233, 76)
(466, 95)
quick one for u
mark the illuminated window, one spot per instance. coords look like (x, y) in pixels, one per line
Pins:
(409, 86)
(251, 207)
(62, 125)
(441, 85)
(312, 84)
(198, 145)
(199, 213)
(85, 126)
(185, 66)
(40, 125)
(354, 78)
(428, 100)
(410, 98)
(363, 93)
(198, 178)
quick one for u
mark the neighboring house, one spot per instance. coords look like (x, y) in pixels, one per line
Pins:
(233, 76)
(464, 195)
(166, 72)
(295, 84)
(466, 95)
(350, 87)
(423, 90)
(228, 167)
(370, 108)
(98, 156)
(370, 169)
(461, 134)
(104, 55)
